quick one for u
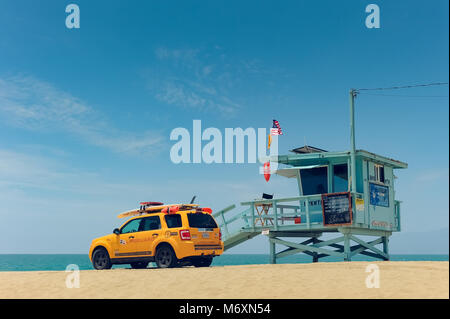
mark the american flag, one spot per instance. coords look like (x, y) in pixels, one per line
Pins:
(276, 128)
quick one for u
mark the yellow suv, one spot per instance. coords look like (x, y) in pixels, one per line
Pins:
(169, 235)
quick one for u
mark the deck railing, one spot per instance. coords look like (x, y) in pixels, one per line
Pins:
(277, 213)
(292, 213)
(225, 221)
(301, 211)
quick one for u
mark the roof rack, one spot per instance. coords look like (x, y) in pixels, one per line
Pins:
(153, 209)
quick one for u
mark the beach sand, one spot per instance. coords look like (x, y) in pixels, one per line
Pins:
(410, 279)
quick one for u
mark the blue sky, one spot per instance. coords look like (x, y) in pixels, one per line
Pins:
(86, 114)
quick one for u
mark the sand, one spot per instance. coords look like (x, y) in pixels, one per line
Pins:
(319, 280)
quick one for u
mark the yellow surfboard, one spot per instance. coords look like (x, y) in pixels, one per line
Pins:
(150, 209)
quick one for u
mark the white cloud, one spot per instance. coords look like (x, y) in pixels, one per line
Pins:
(196, 96)
(209, 80)
(184, 78)
(33, 104)
(22, 173)
(177, 54)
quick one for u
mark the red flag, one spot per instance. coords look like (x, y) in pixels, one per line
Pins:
(267, 171)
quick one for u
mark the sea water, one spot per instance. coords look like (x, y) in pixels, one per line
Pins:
(39, 262)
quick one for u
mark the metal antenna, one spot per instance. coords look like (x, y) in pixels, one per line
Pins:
(192, 200)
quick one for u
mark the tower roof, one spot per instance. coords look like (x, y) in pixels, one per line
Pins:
(307, 149)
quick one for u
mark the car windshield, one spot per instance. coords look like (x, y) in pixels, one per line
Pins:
(201, 220)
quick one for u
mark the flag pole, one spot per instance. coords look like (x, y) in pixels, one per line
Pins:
(353, 93)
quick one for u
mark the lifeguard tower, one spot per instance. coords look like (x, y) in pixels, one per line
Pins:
(347, 194)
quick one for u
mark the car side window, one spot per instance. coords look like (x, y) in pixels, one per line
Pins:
(150, 223)
(131, 227)
(173, 221)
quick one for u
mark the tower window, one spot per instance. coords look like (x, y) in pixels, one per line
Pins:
(379, 173)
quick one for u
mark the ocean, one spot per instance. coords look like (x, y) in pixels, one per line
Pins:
(39, 262)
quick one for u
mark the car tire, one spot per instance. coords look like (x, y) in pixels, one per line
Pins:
(203, 262)
(100, 259)
(165, 257)
(139, 265)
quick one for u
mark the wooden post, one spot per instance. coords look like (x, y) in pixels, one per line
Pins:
(274, 207)
(386, 246)
(273, 258)
(330, 178)
(347, 253)
(315, 255)
(299, 183)
(308, 222)
(253, 215)
(315, 258)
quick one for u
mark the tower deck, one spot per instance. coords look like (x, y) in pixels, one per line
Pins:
(325, 205)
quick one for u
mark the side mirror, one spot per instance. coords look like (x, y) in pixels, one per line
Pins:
(116, 231)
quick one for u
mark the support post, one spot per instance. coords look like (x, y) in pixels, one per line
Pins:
(253, 215)
(308, 221)
(275, 210)
(315, 255)
(299, 183)
(352, 139)
(386, 246)
(347, 252)
(273, 258)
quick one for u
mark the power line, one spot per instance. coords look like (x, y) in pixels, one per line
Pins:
(402, 87)
(400, 95)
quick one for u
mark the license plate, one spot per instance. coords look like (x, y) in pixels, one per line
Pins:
(205, 235)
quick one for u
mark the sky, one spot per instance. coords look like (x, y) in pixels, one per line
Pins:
(86, 113)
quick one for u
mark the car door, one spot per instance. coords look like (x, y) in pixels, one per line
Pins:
(127, 246)
(150, 234)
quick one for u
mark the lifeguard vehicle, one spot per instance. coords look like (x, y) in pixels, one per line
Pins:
(169, 235)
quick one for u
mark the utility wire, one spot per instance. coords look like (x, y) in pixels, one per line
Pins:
(401, 87)
(398, 95)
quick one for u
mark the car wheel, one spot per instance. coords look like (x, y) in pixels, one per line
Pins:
(203, 262)
(101, 260)
(165, 257)
(139, 265)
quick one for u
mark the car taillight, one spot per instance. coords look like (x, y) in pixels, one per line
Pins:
(220, 235)
(185, 234)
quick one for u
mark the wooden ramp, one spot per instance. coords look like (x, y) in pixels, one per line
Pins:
(240, 234)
